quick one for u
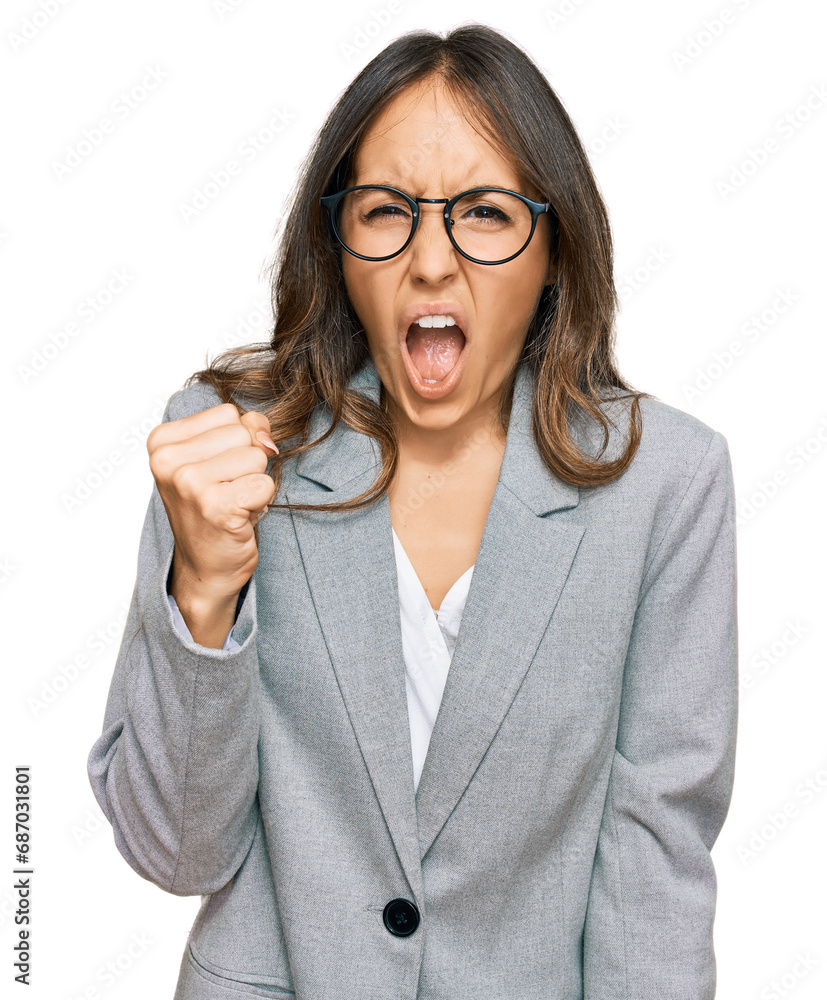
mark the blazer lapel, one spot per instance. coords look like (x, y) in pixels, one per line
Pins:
(350, 565)
(521, 568)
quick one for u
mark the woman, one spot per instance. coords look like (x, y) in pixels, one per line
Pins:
(283, 735)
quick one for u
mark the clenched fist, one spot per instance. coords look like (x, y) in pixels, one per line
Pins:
(210, 472)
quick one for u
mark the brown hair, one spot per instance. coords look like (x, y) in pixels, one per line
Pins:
(318, 343)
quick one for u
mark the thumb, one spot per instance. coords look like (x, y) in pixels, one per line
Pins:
(259, 427)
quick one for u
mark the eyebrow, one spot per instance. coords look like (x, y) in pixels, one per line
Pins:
(470, 187)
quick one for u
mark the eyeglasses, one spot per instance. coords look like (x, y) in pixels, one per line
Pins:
(486, 225)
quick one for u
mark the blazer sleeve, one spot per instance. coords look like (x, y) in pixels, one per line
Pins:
(175, 769)
(649, 921)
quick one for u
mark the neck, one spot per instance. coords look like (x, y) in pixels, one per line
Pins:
(477, 439)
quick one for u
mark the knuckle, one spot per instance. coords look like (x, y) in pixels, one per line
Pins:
(181, 479)
(158, 464)
(256, 420)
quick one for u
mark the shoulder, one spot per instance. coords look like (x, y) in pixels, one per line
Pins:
(679, 479)
(197, 397)
(672, 436)
(674, 446)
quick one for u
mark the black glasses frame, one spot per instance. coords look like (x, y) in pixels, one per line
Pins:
(537, 208)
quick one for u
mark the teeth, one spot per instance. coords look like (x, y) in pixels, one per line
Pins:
(427, 322)
(430, 381)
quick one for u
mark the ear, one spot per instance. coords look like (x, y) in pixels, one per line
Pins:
(551, 274)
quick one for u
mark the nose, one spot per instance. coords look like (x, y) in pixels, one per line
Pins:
(432, 254)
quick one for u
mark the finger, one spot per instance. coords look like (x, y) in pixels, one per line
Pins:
(194, 477)
(203, 447)
(248, 494)
(196, 423)
(259, 427)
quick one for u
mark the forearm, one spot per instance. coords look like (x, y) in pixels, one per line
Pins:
(209, 615)
(176, 768)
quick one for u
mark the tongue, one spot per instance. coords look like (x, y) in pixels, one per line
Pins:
(434, 352)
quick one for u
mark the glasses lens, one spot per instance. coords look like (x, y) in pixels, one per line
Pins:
(373, 222)
(487, 225)
(490, 225)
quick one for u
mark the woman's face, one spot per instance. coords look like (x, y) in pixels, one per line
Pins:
(424, 144)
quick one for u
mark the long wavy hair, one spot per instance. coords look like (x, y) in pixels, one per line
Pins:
(318, 343)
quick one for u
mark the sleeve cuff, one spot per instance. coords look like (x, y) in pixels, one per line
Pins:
(181, 625)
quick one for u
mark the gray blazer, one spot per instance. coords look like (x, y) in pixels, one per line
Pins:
(579, 772)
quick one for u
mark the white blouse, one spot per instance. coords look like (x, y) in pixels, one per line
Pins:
(428, 640)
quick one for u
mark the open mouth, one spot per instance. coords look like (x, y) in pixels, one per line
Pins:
(435, 345)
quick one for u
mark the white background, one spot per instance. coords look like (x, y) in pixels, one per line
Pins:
(664, 132)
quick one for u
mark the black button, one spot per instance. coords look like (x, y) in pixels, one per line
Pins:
(401, 917)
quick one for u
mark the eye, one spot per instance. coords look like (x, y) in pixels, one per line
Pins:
(487, 209)
(387, 210)
(489, 212)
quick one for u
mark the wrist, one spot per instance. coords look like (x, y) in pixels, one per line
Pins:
(208, 613)
(188, 588)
